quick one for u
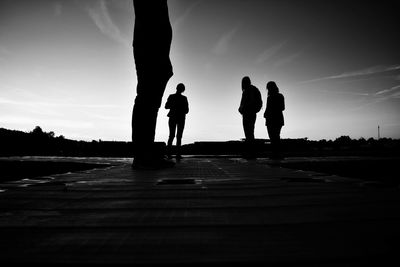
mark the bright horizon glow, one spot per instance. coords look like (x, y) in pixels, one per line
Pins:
(67, 66)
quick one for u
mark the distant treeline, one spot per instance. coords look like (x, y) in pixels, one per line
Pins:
(40, 143)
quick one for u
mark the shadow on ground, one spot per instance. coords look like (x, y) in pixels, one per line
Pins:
(15, 170)
(379, 170)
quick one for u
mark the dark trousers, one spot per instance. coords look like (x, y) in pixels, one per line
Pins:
(144, 116)
(176, 125)
(274, 132)
(151, 46)
(249, 121)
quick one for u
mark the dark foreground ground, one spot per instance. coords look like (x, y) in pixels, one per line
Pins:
(205, 211)
(382, 171)
(12, 170)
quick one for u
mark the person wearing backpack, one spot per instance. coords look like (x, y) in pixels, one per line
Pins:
(250, 105)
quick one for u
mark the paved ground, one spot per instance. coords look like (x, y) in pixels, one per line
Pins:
(203, 211)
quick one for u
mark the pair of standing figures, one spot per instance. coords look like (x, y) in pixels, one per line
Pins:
(251, 104)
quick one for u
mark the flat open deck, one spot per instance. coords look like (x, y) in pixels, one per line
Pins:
(203, 211)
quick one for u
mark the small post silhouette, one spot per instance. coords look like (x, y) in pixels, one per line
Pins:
(379, 133)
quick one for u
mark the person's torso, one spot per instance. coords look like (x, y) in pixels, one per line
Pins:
(178, 105)
(273, 111)
(252, 101)
(275, 103)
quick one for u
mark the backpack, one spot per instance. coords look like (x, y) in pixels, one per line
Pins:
(257, 100)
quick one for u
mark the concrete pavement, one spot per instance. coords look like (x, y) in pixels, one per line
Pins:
(205, 211)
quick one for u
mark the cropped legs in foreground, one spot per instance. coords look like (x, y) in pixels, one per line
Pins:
(151, 46)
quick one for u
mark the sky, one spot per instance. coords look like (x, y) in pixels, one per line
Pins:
(67, 66)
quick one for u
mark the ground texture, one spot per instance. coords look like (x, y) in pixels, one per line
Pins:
(205, 211)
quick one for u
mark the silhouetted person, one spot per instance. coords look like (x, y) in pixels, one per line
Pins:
(151, 46)
(178, 108)
(274, 117)
(250, 105)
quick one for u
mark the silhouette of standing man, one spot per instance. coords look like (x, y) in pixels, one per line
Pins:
(151, 46)
(250, 105)
(274, 117)
(178, 108)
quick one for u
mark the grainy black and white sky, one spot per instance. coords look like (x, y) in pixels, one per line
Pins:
(67, 65)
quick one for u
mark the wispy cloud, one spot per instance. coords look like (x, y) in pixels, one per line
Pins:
(269, 52)
(393, 92)
(287, 59)
(382, 92)
(395, 95)
(222, 45)
(358, 73)
(379, 97)
(26, 120)
(388, 94)
(9, 101)
(100, 15)
(181, 19)
(341, 92)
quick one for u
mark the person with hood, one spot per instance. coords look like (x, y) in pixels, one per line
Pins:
(250, 105)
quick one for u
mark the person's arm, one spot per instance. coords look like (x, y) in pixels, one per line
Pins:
(168, 104)
(266, 108)
(242, 102)
(259, 101)
(283, 103)
(186, 106)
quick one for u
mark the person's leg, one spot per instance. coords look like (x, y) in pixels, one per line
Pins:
(248, 126)
(172, 129)
(274, 136)
(144, 118)
(181, 127)
(151, 47)
(278, 141)
(271, 135)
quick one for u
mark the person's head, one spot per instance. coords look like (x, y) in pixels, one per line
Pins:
(272, 88)
(246, 82)
(180, 88)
